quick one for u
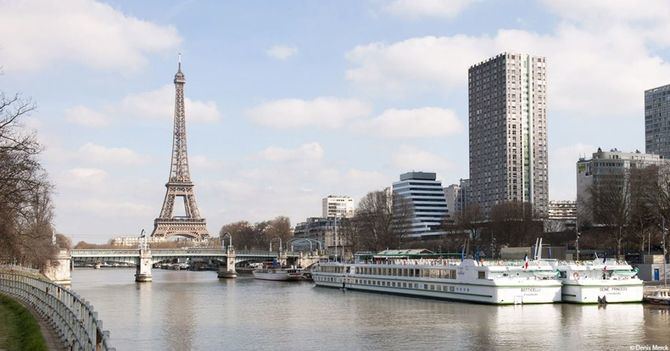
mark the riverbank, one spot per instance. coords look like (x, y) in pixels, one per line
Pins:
(19, 330)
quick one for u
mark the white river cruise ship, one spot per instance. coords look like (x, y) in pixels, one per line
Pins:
(467, 280)
(599, 281)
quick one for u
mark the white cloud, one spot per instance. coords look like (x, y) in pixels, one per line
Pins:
(155, 104)
(84, 178)
(114, 209)
(281, 52)
(116, 155)
(84, 116)
(36, 33)
(408, 158)
(594, 69)
(322, 112)
(414, 9)
(160, 104)
(413, 123)
(305, 152)
(425, 61)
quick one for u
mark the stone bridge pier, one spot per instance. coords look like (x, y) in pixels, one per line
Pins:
(228, 271)
(143, 271)
(60, 270)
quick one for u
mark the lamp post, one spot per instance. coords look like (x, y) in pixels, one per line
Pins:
(223, 240)
(280, 243)
(577, 235)
(336, 241)
(665, 252)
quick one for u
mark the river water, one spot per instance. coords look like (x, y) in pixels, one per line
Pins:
(183, 310)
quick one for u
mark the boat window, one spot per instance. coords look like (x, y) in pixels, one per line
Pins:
(481, 275)
(562, 274)
(417, 273)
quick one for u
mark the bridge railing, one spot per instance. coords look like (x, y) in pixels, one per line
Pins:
(168, 252)
(72, 317)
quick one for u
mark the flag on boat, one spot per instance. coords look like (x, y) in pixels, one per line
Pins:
(525, 261)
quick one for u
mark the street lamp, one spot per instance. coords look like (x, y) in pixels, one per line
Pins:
(223, 240)
(280, 243)
(577, 234)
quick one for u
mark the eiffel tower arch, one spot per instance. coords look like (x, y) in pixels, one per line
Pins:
(179, 186)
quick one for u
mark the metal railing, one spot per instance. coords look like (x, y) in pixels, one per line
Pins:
(76, 253)
(73, 318)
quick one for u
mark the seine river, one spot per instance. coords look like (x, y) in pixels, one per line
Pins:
(183, 310)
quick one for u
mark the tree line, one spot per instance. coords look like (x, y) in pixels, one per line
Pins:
(26, 209)
(631, 208)
(248, 236)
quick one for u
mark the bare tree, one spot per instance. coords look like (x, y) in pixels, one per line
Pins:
(63, 242)
(381, 221)
(242, 232)
(610, 204)
(279, 227)
(642, 217)
(26, 211)
(470, 220)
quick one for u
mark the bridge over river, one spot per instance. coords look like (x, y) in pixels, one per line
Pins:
(132, 256)
(144, 258)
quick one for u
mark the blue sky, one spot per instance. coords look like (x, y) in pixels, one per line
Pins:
(290, 101)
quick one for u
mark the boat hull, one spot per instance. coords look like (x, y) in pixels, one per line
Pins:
(592, 291)
(278, 276)
(514, 293)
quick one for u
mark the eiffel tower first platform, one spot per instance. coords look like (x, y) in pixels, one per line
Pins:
(180, 185)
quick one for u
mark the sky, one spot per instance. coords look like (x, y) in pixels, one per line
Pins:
(289, 101)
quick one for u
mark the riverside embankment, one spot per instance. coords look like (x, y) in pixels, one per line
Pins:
(66, 318)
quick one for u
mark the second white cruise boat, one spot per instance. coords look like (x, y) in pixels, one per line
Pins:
(599, 281)
(467, 280)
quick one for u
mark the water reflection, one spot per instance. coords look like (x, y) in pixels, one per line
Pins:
(196, 310)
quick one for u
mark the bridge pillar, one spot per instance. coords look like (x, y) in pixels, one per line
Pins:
(143, 271)
(229, 270)
(59, 269)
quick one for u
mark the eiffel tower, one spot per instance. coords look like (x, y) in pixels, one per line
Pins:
(180, 185)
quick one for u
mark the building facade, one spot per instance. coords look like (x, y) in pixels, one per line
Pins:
(134, 240)
(508, 131)
(337, 206)
(324, 230)
(657, 121)
(451, 194)
(424, 196)
(607, 165)
(561, 216)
